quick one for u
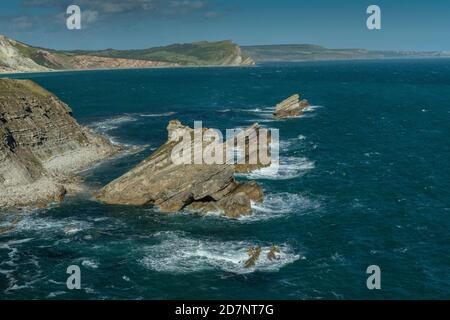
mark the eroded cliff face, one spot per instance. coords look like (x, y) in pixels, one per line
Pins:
(41, 145)
(12, 60)
(238, 59)
(171, 186)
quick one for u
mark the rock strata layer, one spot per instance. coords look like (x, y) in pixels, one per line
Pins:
(172, 187)
(291, 107)
(41, 145)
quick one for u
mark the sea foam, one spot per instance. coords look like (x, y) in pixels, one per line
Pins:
(288, 168)
(178, 253)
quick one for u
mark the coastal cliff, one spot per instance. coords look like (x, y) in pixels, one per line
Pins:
(41, 145)
(16, 56)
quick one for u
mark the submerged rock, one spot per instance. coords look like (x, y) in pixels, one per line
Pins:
(171, 186)
(291, 107)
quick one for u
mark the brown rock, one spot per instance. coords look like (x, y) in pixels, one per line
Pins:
(41, 144)
(291, 107)
(254, 254)
(173, 186)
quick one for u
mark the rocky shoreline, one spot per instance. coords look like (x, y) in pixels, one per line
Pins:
(195, 187)
(42, 148)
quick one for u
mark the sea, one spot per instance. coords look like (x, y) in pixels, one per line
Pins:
(364, 180)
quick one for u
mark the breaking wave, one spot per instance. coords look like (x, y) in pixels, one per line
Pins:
(111, 123)
(276, 205)
(311, 108)
(292, 142)
(177, 253)
(289, 168)
(165, 114)
(115, 122)
(66, 226)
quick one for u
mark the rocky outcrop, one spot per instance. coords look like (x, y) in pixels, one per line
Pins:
(172, 186)
(291, 107)
(41, 145)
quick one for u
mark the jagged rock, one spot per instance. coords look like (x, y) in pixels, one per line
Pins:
(249, 152)
(272, 255)
(254, 254)
(173, 186)
(41, 145)
(291, 107)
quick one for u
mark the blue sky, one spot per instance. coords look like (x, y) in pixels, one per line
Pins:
(406, 25)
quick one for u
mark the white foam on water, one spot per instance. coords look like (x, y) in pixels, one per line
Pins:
(89, 263)
(289, 168)
(164, 114)
(312, 108)
(37, 223)
(177, 253)
(261, 110)
(276, 205)
(56, 294)
(10, 267)
(111, 123)
(287, 144)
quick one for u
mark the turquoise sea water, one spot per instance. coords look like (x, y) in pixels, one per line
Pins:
(364, 180)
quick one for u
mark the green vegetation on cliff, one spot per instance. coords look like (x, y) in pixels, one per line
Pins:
(189, 54)
(309, 52)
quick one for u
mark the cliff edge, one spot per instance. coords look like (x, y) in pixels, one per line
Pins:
(16, 56)
(41, 145)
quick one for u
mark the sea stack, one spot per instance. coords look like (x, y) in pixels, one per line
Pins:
(173, 187)
(41, 145)
(291, 107)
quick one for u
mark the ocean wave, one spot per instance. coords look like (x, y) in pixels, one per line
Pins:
(9, 267)
(89, 263)
(115, 122)
(67, 226)
(165, 114)
(288, 168)
(312, 108)
(276, 205)
(104, 127)
(177, 253)
(287, 144)
(111, 123)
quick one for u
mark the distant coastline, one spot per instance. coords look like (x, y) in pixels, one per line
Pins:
(20, 58)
